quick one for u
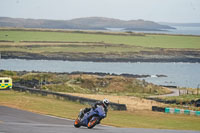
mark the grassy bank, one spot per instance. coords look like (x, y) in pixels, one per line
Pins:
(86, 83)
(66, 109)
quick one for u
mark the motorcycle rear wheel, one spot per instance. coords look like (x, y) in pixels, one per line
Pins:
(77, 123)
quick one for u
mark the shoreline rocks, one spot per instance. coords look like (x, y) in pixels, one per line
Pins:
(96, 57)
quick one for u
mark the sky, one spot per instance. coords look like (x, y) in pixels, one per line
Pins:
(183, 11)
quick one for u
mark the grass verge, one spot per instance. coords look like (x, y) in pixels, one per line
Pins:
(141, 119)
(183, 98)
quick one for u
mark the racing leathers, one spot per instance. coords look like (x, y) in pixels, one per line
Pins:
(100, 103)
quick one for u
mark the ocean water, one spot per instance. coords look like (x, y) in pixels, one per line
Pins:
(179, 30)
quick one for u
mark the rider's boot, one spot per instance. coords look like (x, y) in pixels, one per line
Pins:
(82, 112)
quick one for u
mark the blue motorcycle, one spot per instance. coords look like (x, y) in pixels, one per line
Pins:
(91, 118)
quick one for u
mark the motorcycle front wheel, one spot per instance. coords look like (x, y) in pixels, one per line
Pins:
(77, 123)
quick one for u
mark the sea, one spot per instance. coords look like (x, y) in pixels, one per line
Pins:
(183, 30)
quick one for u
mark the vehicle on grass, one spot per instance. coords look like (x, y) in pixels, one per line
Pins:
(5, 83)
(91, 118)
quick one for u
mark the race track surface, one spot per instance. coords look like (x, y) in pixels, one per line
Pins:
(18, 121)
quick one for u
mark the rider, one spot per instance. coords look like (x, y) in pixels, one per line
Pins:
(104, 103)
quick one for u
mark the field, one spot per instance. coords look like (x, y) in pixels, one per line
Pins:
(148, 40)
(140, 119)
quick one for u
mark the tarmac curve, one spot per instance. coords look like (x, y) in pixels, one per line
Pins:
(19, 121)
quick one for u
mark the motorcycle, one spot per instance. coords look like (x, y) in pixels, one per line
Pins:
(91, 118)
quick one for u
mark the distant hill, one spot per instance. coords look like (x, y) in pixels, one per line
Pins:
(89, 23)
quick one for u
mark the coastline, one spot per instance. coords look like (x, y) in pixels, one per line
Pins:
(99, 57)
(93, 73)
(177, 74)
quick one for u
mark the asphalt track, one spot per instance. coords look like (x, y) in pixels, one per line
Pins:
(18, 121)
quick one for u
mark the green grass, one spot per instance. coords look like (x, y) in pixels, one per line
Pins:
(140, 119)
(39, 104)
(82, 49)
(162, 41)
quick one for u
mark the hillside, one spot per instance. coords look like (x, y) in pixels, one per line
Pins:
(90, 23)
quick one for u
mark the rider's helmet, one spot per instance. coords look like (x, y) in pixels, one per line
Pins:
(106, 102)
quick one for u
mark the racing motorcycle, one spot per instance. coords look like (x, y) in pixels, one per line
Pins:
(91, 118)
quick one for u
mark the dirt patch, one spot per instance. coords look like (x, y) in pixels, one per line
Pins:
(132, 103)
